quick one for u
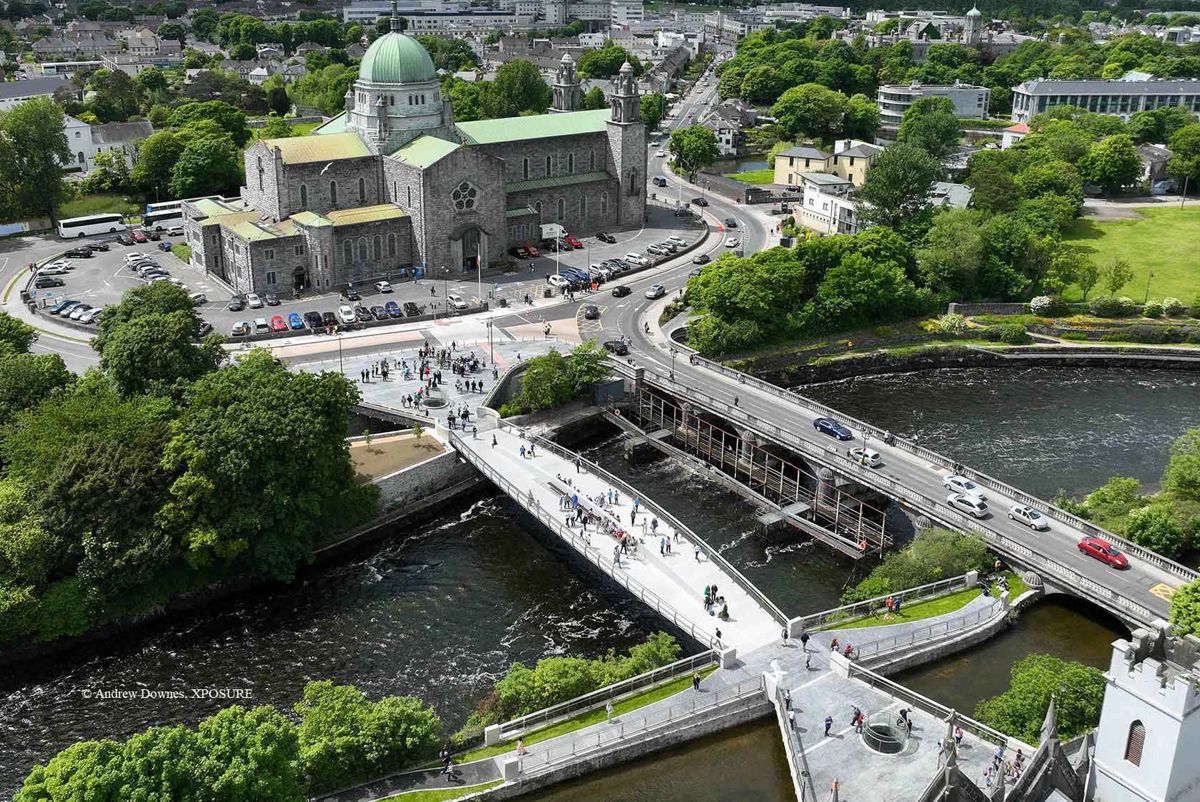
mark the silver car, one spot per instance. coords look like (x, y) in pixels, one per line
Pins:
(656, 291)
(971, 505)
(1028, 516)
(961, 484)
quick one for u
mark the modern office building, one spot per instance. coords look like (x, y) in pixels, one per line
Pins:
(969, 101)
(1120, 97)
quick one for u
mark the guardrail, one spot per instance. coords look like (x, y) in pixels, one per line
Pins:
(588, 701)
(1024, 554)
(548, 756)
(979, 477)
(933, 631)
(632, 492)
(794, 749)
(862, 609)
(935, 709)
(554, 523)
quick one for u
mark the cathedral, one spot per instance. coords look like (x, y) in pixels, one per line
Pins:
(394, 184)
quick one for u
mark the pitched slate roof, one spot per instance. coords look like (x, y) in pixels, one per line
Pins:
(804, 152)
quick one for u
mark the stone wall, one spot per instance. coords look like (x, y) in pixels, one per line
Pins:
(311, 186)
(403, 185)
(400, 489)
(627, 149)
(526, 160)
(586, 208)
(371, 248)
(264, 177)
(446, 224)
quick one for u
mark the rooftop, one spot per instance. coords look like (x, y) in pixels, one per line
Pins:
(556, 181)
(825, 179)
(121, 133)
(336, 125)
(1053, 86)
(540, 126)
(307, 149)
(350, 217)
(211, 207)
(30, 87)
(425, 151)
(804, 152)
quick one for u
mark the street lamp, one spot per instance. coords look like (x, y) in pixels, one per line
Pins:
(445, 287)
(491, 350)
(673, 353)
(1148, 277)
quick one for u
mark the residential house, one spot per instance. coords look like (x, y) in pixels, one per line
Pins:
(827, 205)
(13, 93)
(88, 141)
(304, 48)
(79, 46)
(850, 159)
(727, 120)
(1013, 134)
(949, 195)
(1154, 166)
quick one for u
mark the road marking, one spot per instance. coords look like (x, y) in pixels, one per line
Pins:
(1163, 591)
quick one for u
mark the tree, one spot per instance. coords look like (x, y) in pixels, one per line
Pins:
(594, 99)
(206, 167)
(546, 382)
(173, 30)
(262, 466)
(15, 335)
(1087, 275)
(33, 149)
(1078, 692)
(862, 118)
(152, 353)
(895, 192)
(762, 85)
(111, 173)
(1155, 528)
(589, 364)
(27, 379)
(1113, 163)
(229, 118)
(811, 110)
(1185, 154)
(1115, 274)
(113, 96)
(694, 148)
(953, 254)
(518, 89)
(276, 128)
(993, 191)
(1185, 609)
(651, 107)
(1182, 476)
(607, 62)
(936, 132)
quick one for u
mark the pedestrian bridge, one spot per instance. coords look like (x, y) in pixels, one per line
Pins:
(732, 420)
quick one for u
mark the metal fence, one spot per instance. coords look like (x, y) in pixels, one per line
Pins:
(938, 511)
(579, 542)
(644, 725)
(979, 477)
(929, 632)
(794, 748)
(850, 612)
(589, 701)
(630, 491)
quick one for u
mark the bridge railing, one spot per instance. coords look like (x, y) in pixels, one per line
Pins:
(935, 630)
(829, 619)
(713, 555)
(1141, 552)
(794, 749)
(580, 543)
(935, 509)
(686, 666)
(646, 724)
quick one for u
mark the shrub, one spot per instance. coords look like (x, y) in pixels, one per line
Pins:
(933, 554)
(884, 331)
(951, 324)
(510, 409)
(1195, 310)
(1155, 528)
(1173, 307)
(1152, 309)
(1008, 333)
(1108, 306)
(1045, 305)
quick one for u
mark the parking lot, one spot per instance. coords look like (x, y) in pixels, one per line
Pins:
(103, 278)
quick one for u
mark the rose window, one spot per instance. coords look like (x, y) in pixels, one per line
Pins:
(464, 196)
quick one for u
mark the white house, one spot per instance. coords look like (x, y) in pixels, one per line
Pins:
(87, 141)
(827, 205)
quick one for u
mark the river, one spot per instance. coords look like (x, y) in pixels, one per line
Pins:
(441, 609)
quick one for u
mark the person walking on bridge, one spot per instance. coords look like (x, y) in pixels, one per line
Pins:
(828, 725)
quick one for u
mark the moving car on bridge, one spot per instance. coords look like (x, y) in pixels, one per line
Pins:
(833, 428)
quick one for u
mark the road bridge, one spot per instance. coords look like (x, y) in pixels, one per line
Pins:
(694, 394)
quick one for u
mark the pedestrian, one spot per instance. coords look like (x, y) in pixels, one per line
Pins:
(520, 748)
(633, 516)
(828, 725)
(791, 719)
(608, 711)
(784, 634)
(808, 662)
(859, 721)
(522, 452)
(577, 468)
(787, 699)
(958, 736)
(833, 646)
(662, 547)
(804, 641)
(854, 713)
(735, 400)
(474, 432)
(493, 441)
(696, 681)
(696, 551)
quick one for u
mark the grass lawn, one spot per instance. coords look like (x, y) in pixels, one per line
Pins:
(303, 129)
(386, 455)
(757, 177)
(100, 204)
(1160, 241)
(933, 607)
(182, 252)
(442, 794)
(589, 718)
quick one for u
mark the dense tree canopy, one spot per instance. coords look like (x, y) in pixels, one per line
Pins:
(33, 149)
(1078, 691)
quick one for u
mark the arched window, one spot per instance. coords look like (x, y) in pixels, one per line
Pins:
(525, 169)
(547, 165)
(333, 193)
(362, 190)
(583, 208)
(347, 252)
(362, 249)
(377, 247)
(633, 181)
(391, 244)
(562, 208)
(260, 174)
(603, 203)
(82, 158)
(1134, 743)
(303, 196)
(537, 207)
(570, 164)
(592, 161)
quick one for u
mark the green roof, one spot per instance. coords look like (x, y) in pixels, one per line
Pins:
(252, 232)
(311, 219)
(336, 125)
(210, 207)
(425, 151)
(524, 211)
(366, 214)
(396, 58)
(556, 181)
(538, 126)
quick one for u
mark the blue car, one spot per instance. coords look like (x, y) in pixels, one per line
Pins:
(295, 322)
(832, 428)
(393, 309)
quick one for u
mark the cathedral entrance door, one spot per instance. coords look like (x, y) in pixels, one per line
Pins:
(299, 280)
(471, 241)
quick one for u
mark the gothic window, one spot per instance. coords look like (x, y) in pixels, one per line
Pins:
(592, 161)
(537, 207)
(303, 196)
(391, 100)
(362, 190)
(1134, 743)
(570, 164)
(362, 249)
(633, 181)
(347, 252)
(82, 158)
(333, 193)
(395, 194)
(410, 197)
(464, 197)
(391, 244)
(562, 208)
(525, 169)
(603, 203)
(260, 174)
(377, 248)
(583, 208)
(547, 166)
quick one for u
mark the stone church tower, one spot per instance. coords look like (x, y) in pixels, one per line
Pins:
(567, 96)
(627, 146)
(971, 31)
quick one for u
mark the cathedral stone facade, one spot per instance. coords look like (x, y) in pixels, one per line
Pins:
(394, 183)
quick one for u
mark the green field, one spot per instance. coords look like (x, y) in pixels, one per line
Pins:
(756, 177)
(442, 794)
(100, 204)
(1160, 241)
(933, 607)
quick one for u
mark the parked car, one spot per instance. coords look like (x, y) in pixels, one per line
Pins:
(313, 319)
(261, 326)
(329, 319)
(175, 231)
(65, 264)
(680, 241)
(1028, 516)
(383, 286)
(731, 242)
(971, 505)
(363, 314)
(125, 239)
(240, 329)
(46, 282)
(412, 310)
(139, 236)
(699, 201)
(657, 250)
(1103, 551)
(99, 246)
(865, 456)
(456, 301)
(78, 310)
(61, 305)
(658, 181)
(656, 291)
(833, 428)
(164, 246)
(345, 315)
(616, 347)
(350, 294)
(198, 298)
(591, 312)
(93, 315)
(295, 321)
(154, 235)
(961, 484)
(516, 252)
(531, 251)
(79, 253)
(278, 323)
(52, 270)
(393, 309)
(701, 259)
(271, 299)
(604, 236)
(379, 313)
(557, 281)
(565, 244)
(253, 301)
(573, 241)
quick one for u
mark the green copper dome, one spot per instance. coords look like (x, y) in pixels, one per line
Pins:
(395, 58)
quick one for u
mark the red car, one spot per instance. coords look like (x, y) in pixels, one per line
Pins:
(1103, 551)
(278, 323)
(139, 236)
(573, 241)
(531, 251)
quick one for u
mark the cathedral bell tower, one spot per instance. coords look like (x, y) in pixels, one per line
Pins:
(625, 102)
(627, 148)
(566, 87)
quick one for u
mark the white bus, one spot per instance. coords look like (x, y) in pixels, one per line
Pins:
(161, 216)
(90, 226)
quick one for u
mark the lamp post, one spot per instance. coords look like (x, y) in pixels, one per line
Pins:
(673, 353)
(491, 350)
(1148, 277)
(445, 287)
